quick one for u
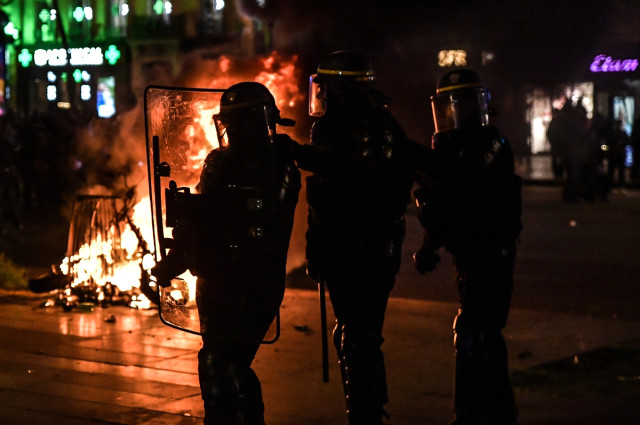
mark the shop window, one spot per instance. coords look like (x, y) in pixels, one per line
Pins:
(105, 97)
(624, 110)
(538, 116)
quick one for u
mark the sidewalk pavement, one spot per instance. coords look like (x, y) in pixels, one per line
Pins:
(119, 365)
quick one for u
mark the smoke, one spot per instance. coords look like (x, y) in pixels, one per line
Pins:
(112, 154)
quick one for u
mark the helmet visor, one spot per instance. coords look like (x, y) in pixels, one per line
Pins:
(242, 126)
(317, 96)
(457, 110)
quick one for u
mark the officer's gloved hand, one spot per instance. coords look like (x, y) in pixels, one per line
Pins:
(426, 259)
(169, 267)
(313, 272)
(159, 271)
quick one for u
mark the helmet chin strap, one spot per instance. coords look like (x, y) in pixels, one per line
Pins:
(286, 122)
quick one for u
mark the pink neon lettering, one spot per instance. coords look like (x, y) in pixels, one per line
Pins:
(603, 63)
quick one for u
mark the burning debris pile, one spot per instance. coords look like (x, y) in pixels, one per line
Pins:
(107, 258)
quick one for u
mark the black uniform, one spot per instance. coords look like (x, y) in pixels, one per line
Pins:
(361, 184)
(470, 204)
(241, 274)
(236, 244)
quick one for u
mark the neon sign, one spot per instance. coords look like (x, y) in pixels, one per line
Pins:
(604, 63)
(79, 56)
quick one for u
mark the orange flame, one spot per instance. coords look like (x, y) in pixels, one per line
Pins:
(93, 261)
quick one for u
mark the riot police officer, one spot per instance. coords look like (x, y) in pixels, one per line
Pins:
(470, 204)
(362, 168)
(236, 244)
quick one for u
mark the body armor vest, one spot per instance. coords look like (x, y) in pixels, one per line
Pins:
(476, 197)
(248, 207)
(371, 175)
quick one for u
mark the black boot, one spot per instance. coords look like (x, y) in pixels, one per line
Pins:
(231, 393)
(363, 377)
(483, 393)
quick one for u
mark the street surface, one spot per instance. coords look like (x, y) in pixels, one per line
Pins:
(572, 258)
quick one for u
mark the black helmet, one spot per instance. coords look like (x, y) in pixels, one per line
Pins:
(248, 114)
(346, 65)
(340, 73)
(460, 101)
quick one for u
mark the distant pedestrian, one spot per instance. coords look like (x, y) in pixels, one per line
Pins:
(618, 142)
(635, 146)
(578, 148)
(10, 176)
(556, 137)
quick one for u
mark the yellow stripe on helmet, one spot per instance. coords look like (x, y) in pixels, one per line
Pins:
(347, 73)
(458, 87)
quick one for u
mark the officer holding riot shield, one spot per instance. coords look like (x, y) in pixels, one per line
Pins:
(470, 204)
(357, 196)
(235, 238)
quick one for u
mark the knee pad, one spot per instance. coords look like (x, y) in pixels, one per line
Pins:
(488, 347)
(355, 340)
(470, 336)
(225, 377)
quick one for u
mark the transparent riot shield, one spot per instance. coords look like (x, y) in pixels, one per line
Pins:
(180, 132)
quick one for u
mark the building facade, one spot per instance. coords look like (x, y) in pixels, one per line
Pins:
(96, 56)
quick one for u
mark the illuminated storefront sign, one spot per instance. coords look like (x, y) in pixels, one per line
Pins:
(86, 56)
(79, 56)
(51, 57)
(604, 63)
(452, 58)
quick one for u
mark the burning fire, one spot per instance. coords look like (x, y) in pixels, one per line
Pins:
(107, 254)
(117, 251)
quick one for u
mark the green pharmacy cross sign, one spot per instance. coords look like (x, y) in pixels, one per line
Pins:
(25, 58)
(112, 54)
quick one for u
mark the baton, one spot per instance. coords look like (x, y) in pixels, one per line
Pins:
(323, 327)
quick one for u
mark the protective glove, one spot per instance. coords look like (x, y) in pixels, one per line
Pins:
(313, 271)
(426, 259)
(169, 267)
